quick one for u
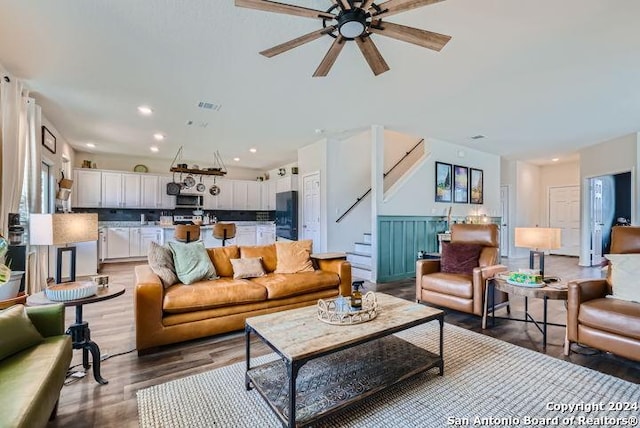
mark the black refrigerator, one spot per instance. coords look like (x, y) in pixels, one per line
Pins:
(287, 215)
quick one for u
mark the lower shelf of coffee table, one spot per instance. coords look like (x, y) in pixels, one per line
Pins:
(334, 382)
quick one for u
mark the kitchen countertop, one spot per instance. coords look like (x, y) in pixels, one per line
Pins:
(104, 224)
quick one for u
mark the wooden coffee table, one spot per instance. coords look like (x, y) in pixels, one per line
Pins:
(544, 293)
(325, 368)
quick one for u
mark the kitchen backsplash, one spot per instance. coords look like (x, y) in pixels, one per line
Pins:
(114, 214)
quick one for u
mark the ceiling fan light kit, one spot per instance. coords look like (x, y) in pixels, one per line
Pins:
(356, 20)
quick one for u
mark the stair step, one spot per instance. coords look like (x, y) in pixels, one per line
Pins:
(362, 247)
(359, 258)
(359, 273)
(366, 237)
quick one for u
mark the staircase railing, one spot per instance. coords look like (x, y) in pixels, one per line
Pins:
(364, 195)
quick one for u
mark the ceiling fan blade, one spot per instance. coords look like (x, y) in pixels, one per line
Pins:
(366, 5)
(372, 55)
(272, 6)
(277, 50)
(345, 4)
(426, 39)
(330, 58)
(393, 7)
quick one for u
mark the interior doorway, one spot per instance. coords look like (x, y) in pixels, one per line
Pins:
(610, 205)
(311, 209)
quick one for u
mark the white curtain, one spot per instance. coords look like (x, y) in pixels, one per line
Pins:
(13, 119)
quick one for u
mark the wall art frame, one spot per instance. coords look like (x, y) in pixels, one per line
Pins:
(48, 140)
(443, 190)
(477, 186)
(460, 184)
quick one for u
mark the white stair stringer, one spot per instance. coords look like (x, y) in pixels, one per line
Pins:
(406, 176)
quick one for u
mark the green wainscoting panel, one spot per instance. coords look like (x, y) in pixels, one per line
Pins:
(399, 240)
(401, 237)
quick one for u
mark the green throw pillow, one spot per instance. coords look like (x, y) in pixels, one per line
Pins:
(192, 262)
(18, 333)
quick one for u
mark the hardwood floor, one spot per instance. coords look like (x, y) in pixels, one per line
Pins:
(84, 403)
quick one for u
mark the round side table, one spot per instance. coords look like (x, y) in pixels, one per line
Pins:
(79, 331)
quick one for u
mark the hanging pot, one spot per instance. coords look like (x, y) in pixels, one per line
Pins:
(173, 188)
(189, 182)
(214, 190)
(201, 187)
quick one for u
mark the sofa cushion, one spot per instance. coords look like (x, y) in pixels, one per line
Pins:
(612, 315)
(625, 271)
(294, 256)
(280, 285)
(449, 283)
(210, 294)
(267, 252)
(247, 267)
(192, 262)
(459, 257)
(161, 263)
(31, 382)
(18, 333)
(221, 259)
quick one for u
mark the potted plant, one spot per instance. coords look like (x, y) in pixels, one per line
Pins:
(9, 281)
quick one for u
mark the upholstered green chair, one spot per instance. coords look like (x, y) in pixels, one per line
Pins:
(35, 354)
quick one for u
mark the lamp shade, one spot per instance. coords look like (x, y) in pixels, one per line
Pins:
(60, 229)
(541, 238)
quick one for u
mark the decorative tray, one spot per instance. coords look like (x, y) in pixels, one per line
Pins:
(530, 285)
(330, 312)
(71, 291)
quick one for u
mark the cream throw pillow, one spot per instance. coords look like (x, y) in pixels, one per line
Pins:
(625, 276)
(250, 267)
(294, 256)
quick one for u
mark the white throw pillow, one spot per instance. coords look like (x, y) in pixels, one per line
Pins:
(625, 276)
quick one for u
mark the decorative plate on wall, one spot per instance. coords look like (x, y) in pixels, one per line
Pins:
(140, 168)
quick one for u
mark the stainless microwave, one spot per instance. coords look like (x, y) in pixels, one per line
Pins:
(186, 200)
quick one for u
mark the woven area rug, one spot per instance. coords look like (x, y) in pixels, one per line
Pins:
(487, 382)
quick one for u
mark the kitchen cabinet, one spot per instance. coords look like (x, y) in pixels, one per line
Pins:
(120, 190)
(87, 186)
(102, 245)
(149, 191)
(164, 200)
(117, 242)
(224, 200)
(246, 195)
(265, 234)
(287, 184)
(140, 239)
(245, 235)
(134, 242)
(268, 195)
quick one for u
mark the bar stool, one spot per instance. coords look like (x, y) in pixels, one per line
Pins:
(187, 232)
(224, 231)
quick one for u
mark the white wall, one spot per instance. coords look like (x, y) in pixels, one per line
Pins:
(417, 195)
(609, 157)
(313, 158)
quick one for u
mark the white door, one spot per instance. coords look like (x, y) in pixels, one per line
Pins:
(597, 221)
(504, 225)
(311, 209)
(564, 214)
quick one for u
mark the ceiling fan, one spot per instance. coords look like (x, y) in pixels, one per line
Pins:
(355, 20)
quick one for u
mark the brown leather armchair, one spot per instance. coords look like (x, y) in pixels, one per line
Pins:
(462, 292)
(593, 320)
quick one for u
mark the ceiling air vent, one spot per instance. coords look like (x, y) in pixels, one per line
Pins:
(209, 106)
(478, 137)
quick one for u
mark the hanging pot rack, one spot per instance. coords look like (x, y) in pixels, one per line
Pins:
(218, 169)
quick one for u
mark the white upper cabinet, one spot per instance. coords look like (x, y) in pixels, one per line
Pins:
(287, 184)
(268, 195)
(164, 200)
(149, 191)
(253, 195)
(87, 185)
(131, 190)
(120, 190)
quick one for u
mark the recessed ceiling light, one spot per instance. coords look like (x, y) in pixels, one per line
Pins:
(154, 149)
(236, 159)
(91, 145)
(555, 159)
(145, 110)
(158, 136)
(253, 150)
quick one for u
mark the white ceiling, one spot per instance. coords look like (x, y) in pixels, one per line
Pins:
(539, 78)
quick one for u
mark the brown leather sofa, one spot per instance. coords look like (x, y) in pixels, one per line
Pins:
(611, 325)
(184, 312)
(458, 291)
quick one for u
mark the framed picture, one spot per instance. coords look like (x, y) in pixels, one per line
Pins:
(443, 182)
(460, 184)
(477, 186)
(48, 140)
